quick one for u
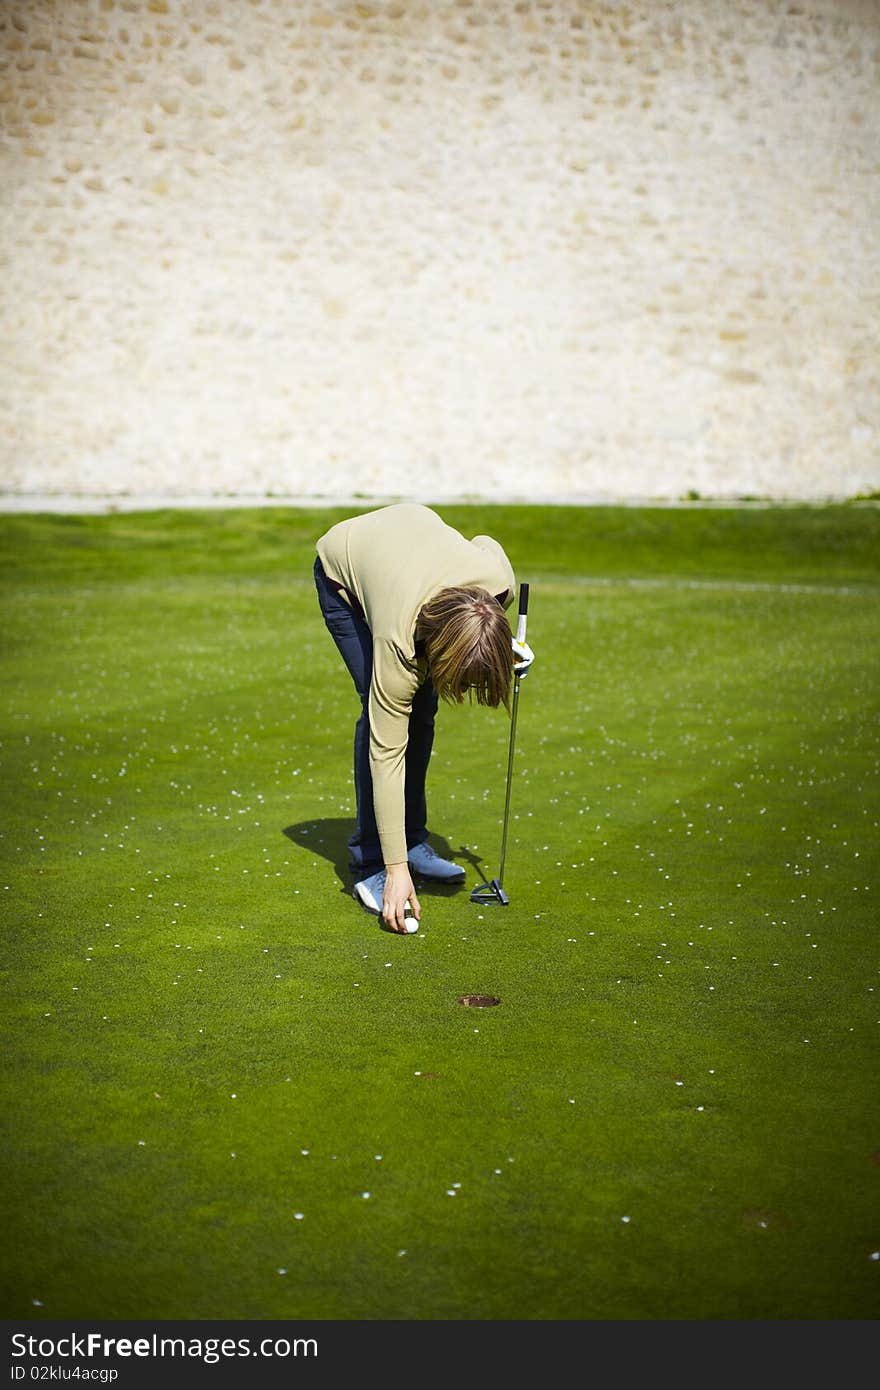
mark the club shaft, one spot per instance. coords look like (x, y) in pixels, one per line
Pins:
(513, 710)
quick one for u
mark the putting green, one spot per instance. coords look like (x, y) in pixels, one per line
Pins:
(229, 1094)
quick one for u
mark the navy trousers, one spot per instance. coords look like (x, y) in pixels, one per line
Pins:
(352, 636)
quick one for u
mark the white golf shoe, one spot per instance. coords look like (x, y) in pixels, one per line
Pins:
(427, 862)
(370, 891)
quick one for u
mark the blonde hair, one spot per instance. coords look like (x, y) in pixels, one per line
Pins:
(468, 646)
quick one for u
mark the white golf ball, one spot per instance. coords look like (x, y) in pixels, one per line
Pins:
(410, 923)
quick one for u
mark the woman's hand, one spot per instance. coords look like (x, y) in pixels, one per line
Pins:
(399, 891)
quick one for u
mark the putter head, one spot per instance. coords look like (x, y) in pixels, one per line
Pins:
(490, 893)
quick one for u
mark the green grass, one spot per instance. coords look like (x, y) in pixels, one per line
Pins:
(688, 965)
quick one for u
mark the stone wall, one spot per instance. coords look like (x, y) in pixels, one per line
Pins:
(554, 248)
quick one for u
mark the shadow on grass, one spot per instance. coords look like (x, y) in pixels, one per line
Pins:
(329, 837)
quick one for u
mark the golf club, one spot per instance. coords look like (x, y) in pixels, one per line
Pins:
(493, 892)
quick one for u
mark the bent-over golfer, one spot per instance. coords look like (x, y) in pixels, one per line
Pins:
(417, 612)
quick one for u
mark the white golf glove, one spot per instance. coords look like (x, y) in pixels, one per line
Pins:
(524, 657)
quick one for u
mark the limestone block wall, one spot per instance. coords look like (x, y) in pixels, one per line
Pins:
(549, 248)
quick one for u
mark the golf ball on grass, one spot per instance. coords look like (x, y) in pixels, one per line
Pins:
(410, 922)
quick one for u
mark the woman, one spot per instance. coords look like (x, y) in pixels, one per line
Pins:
(417, 612)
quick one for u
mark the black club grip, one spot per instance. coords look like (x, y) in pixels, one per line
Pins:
(523, 610)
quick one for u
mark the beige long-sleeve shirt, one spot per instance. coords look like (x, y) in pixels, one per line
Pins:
(392, 561)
